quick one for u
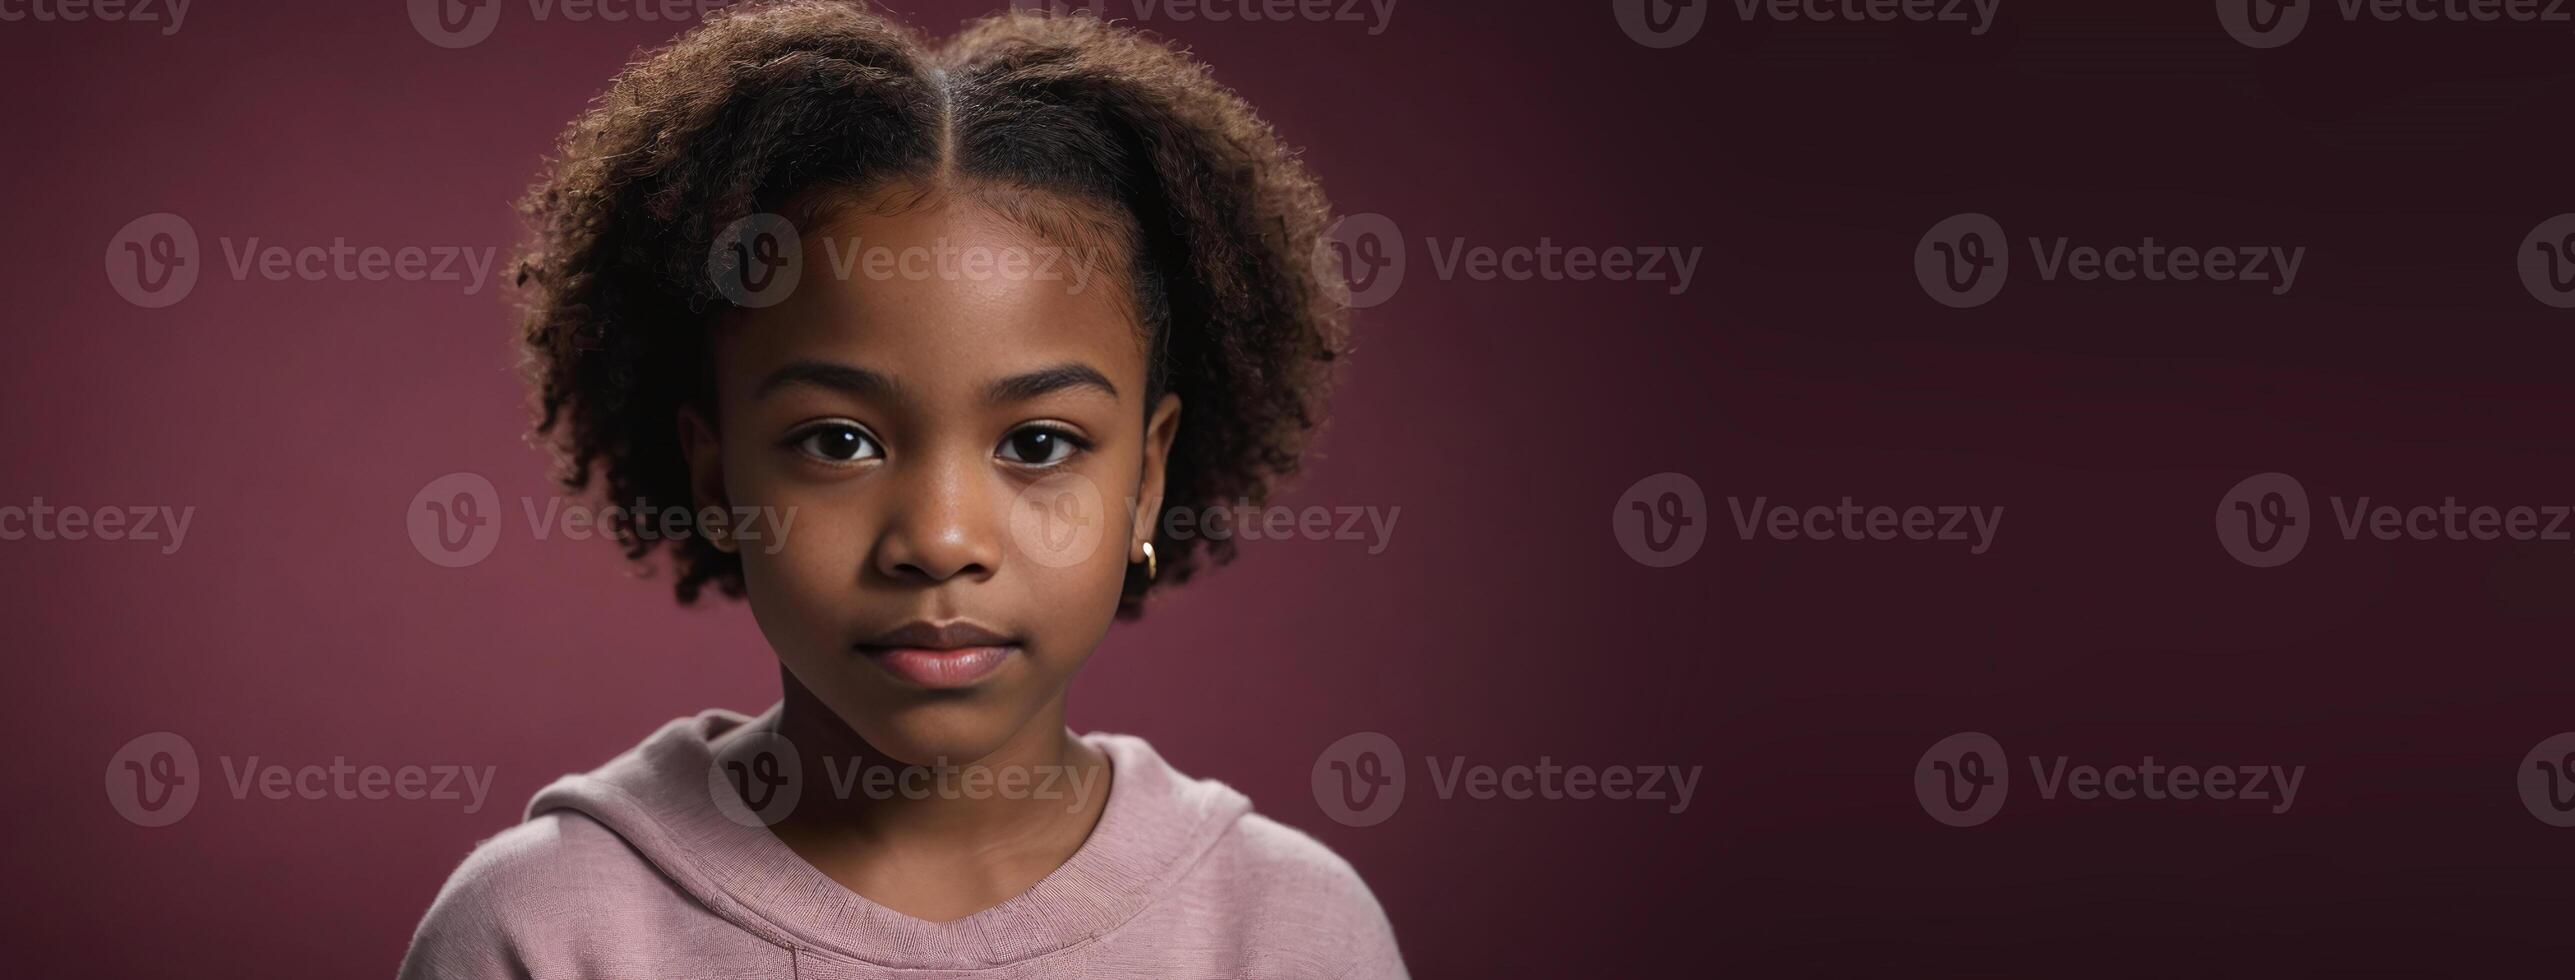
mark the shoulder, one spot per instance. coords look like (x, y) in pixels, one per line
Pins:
(532, 894)
(1292, 906)
(1293, 894)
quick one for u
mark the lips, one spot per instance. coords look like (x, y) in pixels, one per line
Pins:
(939, 655)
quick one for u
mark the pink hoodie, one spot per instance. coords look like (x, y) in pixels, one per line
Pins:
(632, 873)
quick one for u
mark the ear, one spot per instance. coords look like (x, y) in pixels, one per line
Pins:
(1158, 431)
(705, 454)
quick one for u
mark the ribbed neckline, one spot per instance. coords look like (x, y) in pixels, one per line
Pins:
(659, 796)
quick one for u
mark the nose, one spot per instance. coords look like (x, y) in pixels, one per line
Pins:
(947, 524)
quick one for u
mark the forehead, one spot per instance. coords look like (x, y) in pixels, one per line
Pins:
(944, 290)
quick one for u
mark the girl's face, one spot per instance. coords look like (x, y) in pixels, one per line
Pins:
(948, 418)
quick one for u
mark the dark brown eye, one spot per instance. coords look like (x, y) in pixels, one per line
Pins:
(1038, 446)
(838, 443)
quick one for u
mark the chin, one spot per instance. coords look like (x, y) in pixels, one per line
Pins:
(952, 727)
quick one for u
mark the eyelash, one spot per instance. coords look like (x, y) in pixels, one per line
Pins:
(1074, 443)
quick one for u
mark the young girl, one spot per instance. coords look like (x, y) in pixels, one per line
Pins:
(931, 334)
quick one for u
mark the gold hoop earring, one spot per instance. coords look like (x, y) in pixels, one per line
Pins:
(1151, 568)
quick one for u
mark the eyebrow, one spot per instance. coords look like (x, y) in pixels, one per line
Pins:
(1046, 381)
(860, 381)
(824, 374)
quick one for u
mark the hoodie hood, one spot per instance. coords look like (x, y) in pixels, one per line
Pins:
(670, 799)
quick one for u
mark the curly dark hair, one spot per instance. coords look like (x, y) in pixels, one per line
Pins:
(768, 99)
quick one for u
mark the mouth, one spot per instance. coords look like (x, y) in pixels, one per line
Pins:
(948, 655)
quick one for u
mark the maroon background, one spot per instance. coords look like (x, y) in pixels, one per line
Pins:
(1505, 419)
